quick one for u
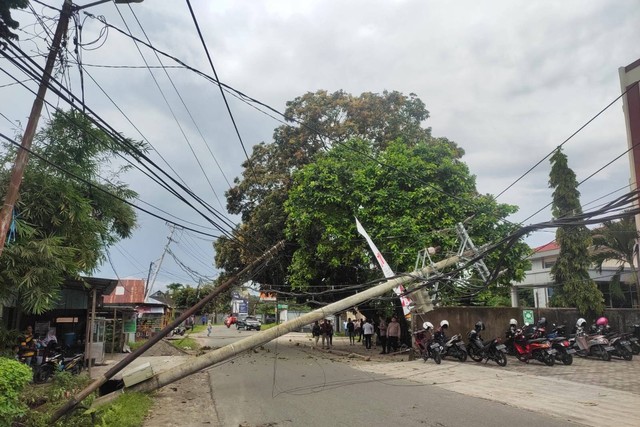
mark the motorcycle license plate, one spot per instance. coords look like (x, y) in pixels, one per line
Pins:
(609, 348)
(501, 347)
(625, 343)
(460, 344)
(434, 346)
(552, 351)
(570, 351)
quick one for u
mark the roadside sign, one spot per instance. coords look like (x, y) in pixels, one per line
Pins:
(282, 306)
(527, 316)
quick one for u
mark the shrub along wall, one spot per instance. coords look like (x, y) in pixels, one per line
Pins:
(496, 319)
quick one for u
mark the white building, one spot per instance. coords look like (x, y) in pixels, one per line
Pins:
(539, 281)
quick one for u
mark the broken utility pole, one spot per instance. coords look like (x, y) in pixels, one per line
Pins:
(154, 339)
(224, 353)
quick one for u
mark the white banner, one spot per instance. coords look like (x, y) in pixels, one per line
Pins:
(406, 302)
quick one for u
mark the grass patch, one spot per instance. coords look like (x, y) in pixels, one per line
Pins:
(128, 410)
(268, 326)
(136, 345)
(185, 343)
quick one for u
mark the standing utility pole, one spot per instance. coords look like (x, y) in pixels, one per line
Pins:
(27, 139)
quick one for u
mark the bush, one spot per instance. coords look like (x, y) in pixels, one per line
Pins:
(13, 377)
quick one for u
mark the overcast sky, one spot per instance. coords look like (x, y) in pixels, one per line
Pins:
(506, 80)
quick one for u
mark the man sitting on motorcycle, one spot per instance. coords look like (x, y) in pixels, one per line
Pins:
(440, 334)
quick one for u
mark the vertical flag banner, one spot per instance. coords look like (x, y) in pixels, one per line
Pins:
(388, 272)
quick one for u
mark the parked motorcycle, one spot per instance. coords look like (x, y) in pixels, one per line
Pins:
(58, 363)
(591, 345)
(427, 346)
(478, 350)
(562, 346)
(455, 347)
(620, 342)
(635, 340)
(534, 348)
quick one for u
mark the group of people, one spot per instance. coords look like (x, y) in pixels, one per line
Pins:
(388, 331)
(323, 330)
(28, 345)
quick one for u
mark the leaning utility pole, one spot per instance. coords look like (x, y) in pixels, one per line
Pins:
(17, 172)
(154, 339)
(224, 353)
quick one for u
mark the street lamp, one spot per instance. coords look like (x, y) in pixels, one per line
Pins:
(17, 172)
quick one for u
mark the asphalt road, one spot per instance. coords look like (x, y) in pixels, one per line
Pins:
(284, 385)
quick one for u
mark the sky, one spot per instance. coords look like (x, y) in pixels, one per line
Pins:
(508, 81)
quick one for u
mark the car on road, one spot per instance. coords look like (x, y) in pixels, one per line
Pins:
(249, 323)
(230, 320)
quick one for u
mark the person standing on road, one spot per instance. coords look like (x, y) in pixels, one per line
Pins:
(209, 327)
(357, 329)
(361, 331)
(324, 332)
(330, 333)
(316, 331)
(351, 332)
(367, 330)
(382, 334)
(393, 334)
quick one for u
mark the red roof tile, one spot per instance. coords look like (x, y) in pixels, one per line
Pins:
(551, 246)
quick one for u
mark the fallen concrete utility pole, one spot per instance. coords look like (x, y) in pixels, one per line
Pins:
(226, 352)
(157, 337)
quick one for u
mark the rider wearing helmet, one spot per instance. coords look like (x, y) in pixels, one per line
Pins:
(474, 335)
(602, 324)
(511, 334)
(440, 334)
(580, 325)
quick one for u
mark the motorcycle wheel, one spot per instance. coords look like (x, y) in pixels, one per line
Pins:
(604, 355)
(473, 354)
(76, 369)
(437, 358)
(567, 359)
(626, 354)
(462, 356)
(635, 348)
(425, 355)
(549, 359)
(501, 359)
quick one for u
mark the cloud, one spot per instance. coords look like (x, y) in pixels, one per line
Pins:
(507, 80)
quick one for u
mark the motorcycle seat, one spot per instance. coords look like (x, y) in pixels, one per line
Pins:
(538, 340)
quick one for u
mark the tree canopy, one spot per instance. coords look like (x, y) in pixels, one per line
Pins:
(407, 197)
(570, 272)
(7, 23)
(64, 225)
(343, 156)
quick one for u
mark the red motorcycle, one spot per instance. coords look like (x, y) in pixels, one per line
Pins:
(527, 348)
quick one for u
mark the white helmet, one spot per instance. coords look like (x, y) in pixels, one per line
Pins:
(427, 325)
(580, 323)
(513, 322)
(444, 323)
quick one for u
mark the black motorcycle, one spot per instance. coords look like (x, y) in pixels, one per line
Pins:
(562, 346)
(57, 362)
(634, 339)
(455, 347)
(493, 350)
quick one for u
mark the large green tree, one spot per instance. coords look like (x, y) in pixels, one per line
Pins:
(615, 241)
(64, 225)
(570, 272)
(407, 196)
(317, 121)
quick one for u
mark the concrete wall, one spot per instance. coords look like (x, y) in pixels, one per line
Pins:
(496, 319)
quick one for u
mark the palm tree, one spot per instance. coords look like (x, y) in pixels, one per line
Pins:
(616, 241)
